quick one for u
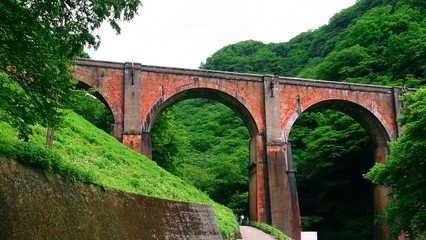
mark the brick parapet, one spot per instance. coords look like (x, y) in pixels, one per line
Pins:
(335, 85)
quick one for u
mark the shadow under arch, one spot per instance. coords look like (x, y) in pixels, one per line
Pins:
(380, 137)
(207, 93)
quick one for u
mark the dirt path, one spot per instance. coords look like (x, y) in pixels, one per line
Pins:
(251, 233)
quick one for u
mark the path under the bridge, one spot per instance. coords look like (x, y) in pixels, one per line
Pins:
(251, 233)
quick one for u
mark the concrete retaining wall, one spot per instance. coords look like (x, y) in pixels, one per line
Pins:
(34, 205)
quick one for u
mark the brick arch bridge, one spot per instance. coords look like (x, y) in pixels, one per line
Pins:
(269, 105)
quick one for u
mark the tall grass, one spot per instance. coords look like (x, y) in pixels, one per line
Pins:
(83, 152)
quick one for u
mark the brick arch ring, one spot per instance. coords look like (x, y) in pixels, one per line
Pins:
(207, 93)
(368, 120)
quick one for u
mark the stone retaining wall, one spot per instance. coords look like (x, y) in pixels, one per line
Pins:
(35, 205)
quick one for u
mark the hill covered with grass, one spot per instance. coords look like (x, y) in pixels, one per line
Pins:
(83, 152)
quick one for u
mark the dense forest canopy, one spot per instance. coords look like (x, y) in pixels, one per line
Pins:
(373, 42)
(332, 152)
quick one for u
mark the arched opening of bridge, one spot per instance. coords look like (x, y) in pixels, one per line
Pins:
(206, 142)
(93, 107)
(333, 144)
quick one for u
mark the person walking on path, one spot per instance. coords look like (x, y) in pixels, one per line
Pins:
(251, 233)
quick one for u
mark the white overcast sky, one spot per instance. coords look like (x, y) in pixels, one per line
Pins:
(184, 33)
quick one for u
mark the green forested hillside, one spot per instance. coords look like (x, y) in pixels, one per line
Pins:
(374, 42)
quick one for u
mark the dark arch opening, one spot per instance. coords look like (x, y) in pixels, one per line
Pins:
(94, 108)
(334, 198)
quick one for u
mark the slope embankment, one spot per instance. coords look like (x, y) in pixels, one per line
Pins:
(39, 205)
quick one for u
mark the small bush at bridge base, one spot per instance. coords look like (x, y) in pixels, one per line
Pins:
(270, 230)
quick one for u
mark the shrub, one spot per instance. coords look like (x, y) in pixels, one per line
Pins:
(34, 155)
(270, 230)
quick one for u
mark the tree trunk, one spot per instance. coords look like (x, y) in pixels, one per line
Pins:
(49, 136)
(51, 130)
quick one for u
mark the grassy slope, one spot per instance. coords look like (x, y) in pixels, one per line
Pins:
(106, 162)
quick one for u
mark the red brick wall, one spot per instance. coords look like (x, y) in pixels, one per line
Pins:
(379, 103)
(157, 85)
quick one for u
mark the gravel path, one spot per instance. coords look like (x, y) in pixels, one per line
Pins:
(251, 233)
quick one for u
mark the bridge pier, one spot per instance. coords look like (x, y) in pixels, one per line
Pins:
(381, 231)
(258, 191)
(131, 135)
(284, 208)
(146, 144)
(133, 141)
(284, 205)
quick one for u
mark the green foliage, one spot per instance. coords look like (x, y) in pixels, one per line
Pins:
(170, 142)
(238, 203)
(381, 47)
(294, 58)
(270, 230)
(205, 143)
(84, 152)
(35, 155)
(93, 110)
(373, 42)
(8, 137)
(39, 41)
(38, 156)
(219, 150)
(404, 171)
(235, 57)
(351, 64)
(16, 106)
(331, 152)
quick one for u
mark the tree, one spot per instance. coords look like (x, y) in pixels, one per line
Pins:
(40, 39)
(404, 171)
(14, 103)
